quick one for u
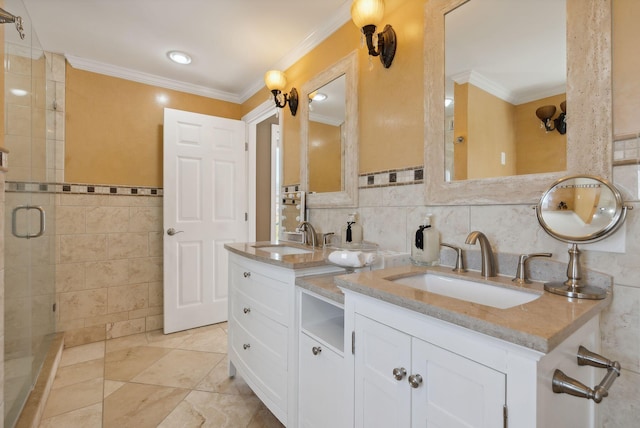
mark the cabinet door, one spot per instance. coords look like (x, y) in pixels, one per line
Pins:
(381, 400)
(321, 396)
(455, 392)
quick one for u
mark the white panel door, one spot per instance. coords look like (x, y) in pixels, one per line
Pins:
(204, 208)
(381, 400)
(456, 392)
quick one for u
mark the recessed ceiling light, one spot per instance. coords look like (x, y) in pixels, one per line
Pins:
(179, 57)
(319, 96)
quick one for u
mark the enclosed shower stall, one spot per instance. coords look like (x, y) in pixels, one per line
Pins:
(29, 237)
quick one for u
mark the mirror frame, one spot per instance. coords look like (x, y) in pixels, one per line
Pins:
(348, 197)
(589, 136)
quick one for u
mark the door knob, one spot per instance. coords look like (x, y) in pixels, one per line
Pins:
(399, 373)
(246, 346)
(171, 231)
(246, 310)
(415, 380)
(316, 350)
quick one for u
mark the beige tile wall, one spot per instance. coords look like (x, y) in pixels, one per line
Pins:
(109, 266)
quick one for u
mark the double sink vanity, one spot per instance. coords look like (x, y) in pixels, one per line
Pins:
(404, 346)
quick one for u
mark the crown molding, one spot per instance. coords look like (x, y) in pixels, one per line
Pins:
(149, 79)
(497, 90)
(314, 39)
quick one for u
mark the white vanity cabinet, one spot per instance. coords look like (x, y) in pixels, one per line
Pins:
(402, 381)
(260, 312)
(322, 399)
(413, 370)
(263, 331)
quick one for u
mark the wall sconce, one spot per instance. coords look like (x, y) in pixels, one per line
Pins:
(545, 114)
(367, 14)
(276, 81)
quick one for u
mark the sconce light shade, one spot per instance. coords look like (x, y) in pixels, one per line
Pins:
(545, 114)
(367, 14)
(276, 82)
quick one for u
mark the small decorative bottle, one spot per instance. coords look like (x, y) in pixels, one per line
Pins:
(425, 249)
(352, 231)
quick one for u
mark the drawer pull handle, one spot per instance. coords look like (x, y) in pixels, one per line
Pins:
(316, 350)
(246, 310)
(246, 346)
(399, 373)
(415, 380)
(247, 274)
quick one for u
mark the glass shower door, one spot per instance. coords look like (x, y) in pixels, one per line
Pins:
(29, 214)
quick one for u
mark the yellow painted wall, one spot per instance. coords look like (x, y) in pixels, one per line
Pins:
(114, 128)
(538, 151)
(626, 67)
(491, 131)
(390, 101)
(325, 150)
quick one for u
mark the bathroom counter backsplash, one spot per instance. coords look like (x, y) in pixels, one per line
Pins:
(541, 324)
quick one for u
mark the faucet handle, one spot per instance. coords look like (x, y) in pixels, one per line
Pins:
(326, 238)
(459, 261)
(521, 275)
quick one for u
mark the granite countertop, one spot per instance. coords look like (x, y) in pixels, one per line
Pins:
(324, 285)
(540, 325)
(315, 256)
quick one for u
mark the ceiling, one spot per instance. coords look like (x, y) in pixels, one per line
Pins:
(232, 42)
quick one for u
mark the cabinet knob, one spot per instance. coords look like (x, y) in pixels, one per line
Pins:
(399, 373)
(247, 274)
(316, 350)
(246, 346)
(246, 310)
(415, 380)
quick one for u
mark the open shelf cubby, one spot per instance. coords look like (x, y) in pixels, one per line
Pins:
(322, 320)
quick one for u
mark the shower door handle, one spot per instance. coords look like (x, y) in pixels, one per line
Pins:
(14, 221)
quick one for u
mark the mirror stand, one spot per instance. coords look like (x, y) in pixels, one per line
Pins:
(573, 286)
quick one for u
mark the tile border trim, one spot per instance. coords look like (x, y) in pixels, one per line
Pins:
(82, 189)
(391, 177)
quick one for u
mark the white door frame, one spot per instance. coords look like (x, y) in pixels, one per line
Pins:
(252, 119)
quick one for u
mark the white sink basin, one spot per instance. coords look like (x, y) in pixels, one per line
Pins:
(284, 249)
(470, 291)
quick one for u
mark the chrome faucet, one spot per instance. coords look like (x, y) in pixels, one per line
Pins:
(307, 228)
(488, 263)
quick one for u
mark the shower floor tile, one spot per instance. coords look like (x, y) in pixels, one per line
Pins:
(153, 380)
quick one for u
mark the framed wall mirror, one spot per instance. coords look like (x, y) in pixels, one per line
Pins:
(588, 95)
(492, 94)
(329, 136)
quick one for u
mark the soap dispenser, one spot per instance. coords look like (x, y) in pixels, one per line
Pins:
(425, 248)
(352, 231)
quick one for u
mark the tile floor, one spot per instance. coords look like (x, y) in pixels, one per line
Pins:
(153, 380)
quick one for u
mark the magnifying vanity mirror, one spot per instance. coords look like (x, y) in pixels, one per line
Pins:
(587, 35)
(329, 136)
(580, 209)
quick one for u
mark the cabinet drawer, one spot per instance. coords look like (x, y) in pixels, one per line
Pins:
(269, 336)
(270, 296)
(260, 364)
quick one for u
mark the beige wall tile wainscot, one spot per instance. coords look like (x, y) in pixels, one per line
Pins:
(109, 269)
